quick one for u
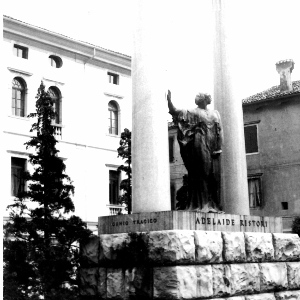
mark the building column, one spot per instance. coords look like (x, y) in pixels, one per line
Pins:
(234, 192)
(150, 161)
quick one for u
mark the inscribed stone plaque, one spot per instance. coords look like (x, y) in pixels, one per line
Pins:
(187, 220)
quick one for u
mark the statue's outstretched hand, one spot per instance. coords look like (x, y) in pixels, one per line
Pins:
(169, 95)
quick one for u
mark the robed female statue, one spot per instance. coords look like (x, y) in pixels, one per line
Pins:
(200, 139)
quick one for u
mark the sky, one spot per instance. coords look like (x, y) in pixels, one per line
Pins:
(263, 32)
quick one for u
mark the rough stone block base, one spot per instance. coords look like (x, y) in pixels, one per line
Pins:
(189, 264)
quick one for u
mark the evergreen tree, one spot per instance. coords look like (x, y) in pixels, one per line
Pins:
(41, 242)
(296, 225)
(124, 151)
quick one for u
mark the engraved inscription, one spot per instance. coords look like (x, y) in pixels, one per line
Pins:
(230, 222)
(135, 222)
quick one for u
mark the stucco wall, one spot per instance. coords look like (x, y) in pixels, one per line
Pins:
(279, 156)
(89, 151)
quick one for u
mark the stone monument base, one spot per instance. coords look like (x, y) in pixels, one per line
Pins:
(187, 220)
(191, 264)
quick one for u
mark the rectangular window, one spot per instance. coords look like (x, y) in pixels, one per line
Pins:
(284, 205)
(171, 149)
(17, 171)
(113, 78)
(251, 142)
(20, 51)
(173, 196)
(254, 189)
(114, 187)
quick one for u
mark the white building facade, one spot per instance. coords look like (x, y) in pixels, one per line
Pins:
(92, 91)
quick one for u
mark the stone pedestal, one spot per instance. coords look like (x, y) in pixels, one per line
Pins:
(186, 220)
(191, 264)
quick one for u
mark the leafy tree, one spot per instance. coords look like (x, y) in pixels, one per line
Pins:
(41, 242)
(124, 151)
(296, 225)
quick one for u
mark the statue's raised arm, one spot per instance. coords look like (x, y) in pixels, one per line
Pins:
(172, 109)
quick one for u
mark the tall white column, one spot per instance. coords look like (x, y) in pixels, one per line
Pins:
(150, 161)
(234, 168)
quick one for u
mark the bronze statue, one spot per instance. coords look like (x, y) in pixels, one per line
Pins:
(200, 140)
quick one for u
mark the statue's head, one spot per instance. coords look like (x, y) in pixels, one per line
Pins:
(202, 97)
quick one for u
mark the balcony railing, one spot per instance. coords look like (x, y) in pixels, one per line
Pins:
(116, 209)
(57, 130)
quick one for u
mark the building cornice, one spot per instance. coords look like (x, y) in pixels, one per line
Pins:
(65, 142)
(52, 80)
(21, 29)
(113, 95)
(19, 71)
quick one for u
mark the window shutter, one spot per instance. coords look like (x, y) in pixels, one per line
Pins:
(251, 143)
(60, 110)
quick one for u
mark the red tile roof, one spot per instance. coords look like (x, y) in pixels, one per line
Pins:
(272, 93)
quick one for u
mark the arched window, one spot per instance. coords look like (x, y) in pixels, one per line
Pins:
(55, 61)
(56, 96)
(18, 97)
(113, 118)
